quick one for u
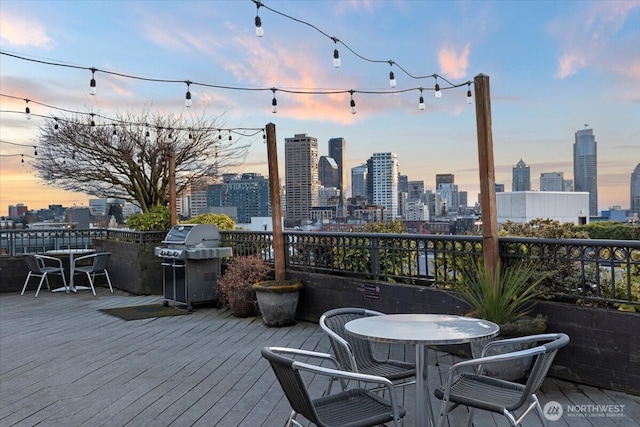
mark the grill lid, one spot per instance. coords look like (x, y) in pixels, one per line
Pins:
(204, 235)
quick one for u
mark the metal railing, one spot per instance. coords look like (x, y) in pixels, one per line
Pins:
(589, 269)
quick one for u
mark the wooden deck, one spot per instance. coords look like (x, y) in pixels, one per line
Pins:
(64, 363)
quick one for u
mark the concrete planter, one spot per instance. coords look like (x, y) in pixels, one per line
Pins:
(278, 301)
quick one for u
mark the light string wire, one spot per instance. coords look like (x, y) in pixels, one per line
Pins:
(243, 88)
(236, 130)
(336, 40)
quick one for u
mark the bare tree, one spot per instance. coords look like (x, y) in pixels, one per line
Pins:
(128, 159)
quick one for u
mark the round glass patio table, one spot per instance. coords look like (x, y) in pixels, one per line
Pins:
(422, 330)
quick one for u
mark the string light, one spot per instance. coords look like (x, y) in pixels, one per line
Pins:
(27, 110)
(258, 21)
(93, 123)
(55, 126)
(438, 93)
(353, 104)
(21, 159)
(274, 101)
(35, 150)
(336, 54)
(187, 100)
(421, 105)
(114, 135)
(469, 98)
(392, 77)
(92, 83)
(147, 136)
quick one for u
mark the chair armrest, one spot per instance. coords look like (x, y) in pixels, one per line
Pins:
(83, 257)
(45, 258)
(517, 340)
(306, 353)
(481, 361)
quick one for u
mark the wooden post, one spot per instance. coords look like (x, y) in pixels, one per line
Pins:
(173, 216)
(276, 210)
(487, 173)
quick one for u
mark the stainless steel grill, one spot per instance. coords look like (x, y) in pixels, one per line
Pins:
(191, 264)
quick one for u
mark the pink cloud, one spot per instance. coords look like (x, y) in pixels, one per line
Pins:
(453, 63)
(18, 30)
(587, 39)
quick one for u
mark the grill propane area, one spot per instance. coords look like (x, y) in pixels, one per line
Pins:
(191, 260)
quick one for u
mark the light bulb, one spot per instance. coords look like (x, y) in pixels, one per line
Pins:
(21, 159)
(421, 105)
(92, 87)
(469, 98)
(187, 100)
(27, 113)
(353, 107)
(438, 93)
(336, 58)
(392, 79)
(274, 105)
(35, 150)
(259, 30)
(147, 136)
(55, 126)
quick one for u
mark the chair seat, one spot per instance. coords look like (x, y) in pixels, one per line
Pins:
(484, 392)
(353, 408)
(392, 369)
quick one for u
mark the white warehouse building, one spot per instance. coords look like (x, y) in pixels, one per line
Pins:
(524, 206)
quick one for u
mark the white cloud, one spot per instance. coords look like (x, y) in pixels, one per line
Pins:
(22, 31)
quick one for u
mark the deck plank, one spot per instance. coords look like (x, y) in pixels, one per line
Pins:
(64, 363)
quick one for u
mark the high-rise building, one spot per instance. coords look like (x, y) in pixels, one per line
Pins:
(247, 192)
(17, 211)
(359, 181)
(552, 181)
(382, 183)
(635, 190)
(416, 190)
(301, 176)
(444, 178)
(337, 151)
(521, 180)
(403, 183)
(328, 172)
(450, 198)
(585, 167)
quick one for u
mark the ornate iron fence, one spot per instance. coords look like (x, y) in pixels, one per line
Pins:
(604, 271)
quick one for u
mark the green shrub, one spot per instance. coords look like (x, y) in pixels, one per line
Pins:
(157, 219)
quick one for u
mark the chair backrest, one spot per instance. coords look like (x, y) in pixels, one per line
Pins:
(359, 351)
(101, 261)
(542, 362)
(292, 384)
(33, 263)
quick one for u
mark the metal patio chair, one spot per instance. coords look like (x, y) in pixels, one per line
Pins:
(98, 267)
(352, 407)
(41, 266)
(478, 391)
(356, 354)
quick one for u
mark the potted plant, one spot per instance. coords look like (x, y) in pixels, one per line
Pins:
(504, 297)
(236, 281)
(278, 301)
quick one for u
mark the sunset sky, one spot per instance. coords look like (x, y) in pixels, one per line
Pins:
(554, 66)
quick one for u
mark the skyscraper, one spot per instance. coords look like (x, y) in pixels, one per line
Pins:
(301, 176)
(382, 183)
(359, 181)
(635, 190)
(328, 172)
(585, 167)
(521, 177)
(337, 151)
(248, 192)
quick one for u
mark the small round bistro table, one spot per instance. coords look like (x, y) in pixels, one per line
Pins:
(422, 330)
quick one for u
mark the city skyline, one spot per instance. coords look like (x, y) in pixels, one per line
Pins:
(566, 64)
